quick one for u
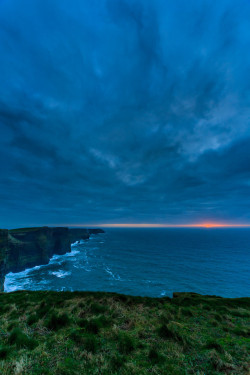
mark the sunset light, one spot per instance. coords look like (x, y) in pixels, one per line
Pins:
(152, 225)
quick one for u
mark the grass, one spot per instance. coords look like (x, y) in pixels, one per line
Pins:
(126, 343)
(4, 352)
(57, 321)
(20, 230)
(18, 338)
(110, 334)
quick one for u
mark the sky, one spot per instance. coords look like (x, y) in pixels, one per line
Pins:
(124, 111)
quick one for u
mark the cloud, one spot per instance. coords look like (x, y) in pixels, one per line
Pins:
(124, 111)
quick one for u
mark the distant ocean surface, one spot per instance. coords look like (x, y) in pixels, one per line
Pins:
(148, 262)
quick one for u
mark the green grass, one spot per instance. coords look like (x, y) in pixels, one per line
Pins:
(20, 230)
(110, 334)
(18, 338)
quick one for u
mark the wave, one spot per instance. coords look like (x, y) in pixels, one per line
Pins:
(11, 279)
(80, 242)
(60, 273)
(115, 277)
(59, 267)
(21, 281)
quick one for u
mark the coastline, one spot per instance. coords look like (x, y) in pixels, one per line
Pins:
(24, 248)
(149, 263)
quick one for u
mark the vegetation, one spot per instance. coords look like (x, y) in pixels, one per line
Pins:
(31, 229)
(106, 333)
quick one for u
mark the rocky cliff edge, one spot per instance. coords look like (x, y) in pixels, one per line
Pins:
(28, 247)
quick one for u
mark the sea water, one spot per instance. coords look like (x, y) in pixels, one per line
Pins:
(148, 262)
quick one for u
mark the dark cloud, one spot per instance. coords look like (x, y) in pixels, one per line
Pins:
(124, 111)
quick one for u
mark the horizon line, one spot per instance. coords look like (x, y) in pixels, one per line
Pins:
(158, 225)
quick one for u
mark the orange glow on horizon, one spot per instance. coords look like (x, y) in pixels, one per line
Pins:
(199, 225)
(150, 225)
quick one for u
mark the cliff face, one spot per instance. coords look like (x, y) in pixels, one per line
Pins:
(34, 246)
(29, 247)
(77, 234)
(3, 250)
(95, 231)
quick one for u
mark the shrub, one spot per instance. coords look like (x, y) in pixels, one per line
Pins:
(18, 338)
(56, 322)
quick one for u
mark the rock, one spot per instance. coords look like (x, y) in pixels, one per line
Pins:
(77, 234)
(3, 251)
(29, 247)
(95, 231)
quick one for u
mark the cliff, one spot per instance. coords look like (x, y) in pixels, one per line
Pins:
(3, 251)
(95, 231)
(77, 234)
(28, 247)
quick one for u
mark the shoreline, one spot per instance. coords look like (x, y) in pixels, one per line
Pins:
(24, 248)
(180, 296)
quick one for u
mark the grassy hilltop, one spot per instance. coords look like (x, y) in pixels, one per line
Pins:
(105, 333)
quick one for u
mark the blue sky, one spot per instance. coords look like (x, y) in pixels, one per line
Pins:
(124, 111)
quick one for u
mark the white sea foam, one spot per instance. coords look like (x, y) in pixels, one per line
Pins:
(82, 267)
(60, 273)
(115, 277)
(58, 258)
(20, 281)
(26, 279)
(75, 244)
(11, 278)
(64, 289)
(10, 284)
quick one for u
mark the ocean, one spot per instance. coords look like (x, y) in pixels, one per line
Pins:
(148, 262)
